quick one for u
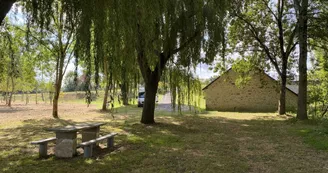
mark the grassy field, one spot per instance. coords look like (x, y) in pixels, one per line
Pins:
(208, 142)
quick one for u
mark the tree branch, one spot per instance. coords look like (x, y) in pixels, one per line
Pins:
(264, 47)
(42, 42)
(291, 45)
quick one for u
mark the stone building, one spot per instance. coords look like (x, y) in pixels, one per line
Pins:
(259, 94)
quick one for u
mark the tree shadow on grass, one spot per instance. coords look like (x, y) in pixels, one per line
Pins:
(4, 109)
(174, 144)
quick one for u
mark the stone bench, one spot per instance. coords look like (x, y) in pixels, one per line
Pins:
(88, 145)
(43, 146)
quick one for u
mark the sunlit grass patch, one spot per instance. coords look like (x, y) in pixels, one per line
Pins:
(209, 142)
(317, 137)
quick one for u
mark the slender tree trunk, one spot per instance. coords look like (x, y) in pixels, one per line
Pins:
(124, 87)
(5, 6)
(12, 91)
(9, 99)
(36, 97)
(282, 96)
(302, 36)
(7, 91)
(124, 91)
(151, 87)
(42, 96)
(56, 96)
(55, 104)
(104, 106)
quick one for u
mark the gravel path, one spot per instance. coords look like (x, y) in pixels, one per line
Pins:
(165, 104)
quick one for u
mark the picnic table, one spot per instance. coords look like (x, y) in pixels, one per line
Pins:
(66, 137)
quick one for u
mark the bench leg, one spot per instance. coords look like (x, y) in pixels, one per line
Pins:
(110, 142)
(43, 150)
(88, 151)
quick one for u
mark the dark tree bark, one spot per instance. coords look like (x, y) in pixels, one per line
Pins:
(12, 91)
(152, 77)
(302, 36)
(151, 87)
(42, 96)
(125, 91)
(59, 78)
(282, 99)
(5, 6)
(55, 105)
(56, 97)
(104, 105)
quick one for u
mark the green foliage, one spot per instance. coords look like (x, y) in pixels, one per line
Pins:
(265, 30)
(244, 69)
(318, 86)
(69, 82)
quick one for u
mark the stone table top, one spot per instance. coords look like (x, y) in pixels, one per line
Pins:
(76, 127)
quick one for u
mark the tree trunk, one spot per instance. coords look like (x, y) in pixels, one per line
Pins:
(42, 96)
(150, 98)
(124, 91)
(5, 6)
(282, 96)
(56, 96)
(12, 91)
(302, 90)
(104, 106)
(55, 105)
(36, 97)
(10, 98)
(7, 91)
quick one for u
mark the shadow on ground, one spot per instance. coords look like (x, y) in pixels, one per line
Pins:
(184, 143)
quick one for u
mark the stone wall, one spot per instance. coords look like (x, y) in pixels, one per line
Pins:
(260, 94)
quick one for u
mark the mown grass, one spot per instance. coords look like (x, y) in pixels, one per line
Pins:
(209, 142)
(314, 133)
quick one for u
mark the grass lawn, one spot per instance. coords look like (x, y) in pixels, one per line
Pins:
(208, 142)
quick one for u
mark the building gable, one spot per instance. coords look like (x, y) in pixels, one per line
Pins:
(260, 93)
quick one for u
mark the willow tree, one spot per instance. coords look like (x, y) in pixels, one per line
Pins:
(166, 30)
(176, 29)
(157, 31)
(101, 43)
(184, 86)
